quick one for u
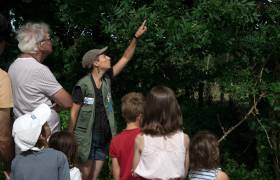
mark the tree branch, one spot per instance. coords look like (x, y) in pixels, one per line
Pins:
(267, 137)
(222, 127)
(253, 110)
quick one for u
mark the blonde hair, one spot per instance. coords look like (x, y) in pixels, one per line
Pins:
(29, 35)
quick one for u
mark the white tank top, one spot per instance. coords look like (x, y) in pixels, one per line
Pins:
(162, 157)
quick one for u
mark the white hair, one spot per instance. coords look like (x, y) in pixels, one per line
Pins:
(29, 35)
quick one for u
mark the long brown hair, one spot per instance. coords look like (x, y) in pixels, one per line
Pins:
(65, 142)
(162, 113)
(204, 151)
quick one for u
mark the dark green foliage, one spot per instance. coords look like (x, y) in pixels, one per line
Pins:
(189, 46)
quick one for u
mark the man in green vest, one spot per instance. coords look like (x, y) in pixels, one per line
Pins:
(92, 114)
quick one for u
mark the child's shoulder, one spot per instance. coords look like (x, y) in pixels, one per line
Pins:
(53, 152)
(139, 138)
(186, 140)
(139, 142)
(50, 150)
(186, 136)
(125, 133)
(222, 175)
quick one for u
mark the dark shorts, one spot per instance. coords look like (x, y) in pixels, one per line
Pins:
(99, 149)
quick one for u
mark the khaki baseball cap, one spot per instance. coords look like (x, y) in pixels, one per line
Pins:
(91, 56)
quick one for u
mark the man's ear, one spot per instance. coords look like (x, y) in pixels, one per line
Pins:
(95, 62)
(39, 46)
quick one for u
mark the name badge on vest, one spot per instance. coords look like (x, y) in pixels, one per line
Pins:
(88, 100)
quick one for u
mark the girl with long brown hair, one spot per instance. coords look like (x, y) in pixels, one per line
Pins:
(162, 150)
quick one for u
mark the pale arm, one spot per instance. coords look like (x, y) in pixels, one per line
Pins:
(118, 67)
(7, 175)
(73, 116)
(187, 158)
(138, 147)
(222, 176)
(115, 169)
(63, 99)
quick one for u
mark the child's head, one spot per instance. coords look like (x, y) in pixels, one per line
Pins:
(32, 130)
(204, 151)
(162, 113)
(132, 106)
(66, 143)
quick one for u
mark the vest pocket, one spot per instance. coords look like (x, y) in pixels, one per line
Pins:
(84, 119)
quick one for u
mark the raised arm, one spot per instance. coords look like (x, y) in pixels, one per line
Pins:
(128, 53)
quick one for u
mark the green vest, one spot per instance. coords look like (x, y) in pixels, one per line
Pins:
(86, 116)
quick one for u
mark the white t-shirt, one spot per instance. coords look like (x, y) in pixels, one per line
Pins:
(75, 174)
(162, 157)
(33, 84)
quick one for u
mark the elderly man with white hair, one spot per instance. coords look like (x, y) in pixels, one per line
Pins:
(32, 82)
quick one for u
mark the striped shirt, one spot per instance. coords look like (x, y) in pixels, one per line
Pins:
(204, 174)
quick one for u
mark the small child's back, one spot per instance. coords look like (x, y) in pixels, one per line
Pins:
(45, 164)
(122, 148)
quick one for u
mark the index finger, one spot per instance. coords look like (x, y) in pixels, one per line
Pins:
(144, 22)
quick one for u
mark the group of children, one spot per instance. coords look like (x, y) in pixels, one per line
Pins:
(152, 146)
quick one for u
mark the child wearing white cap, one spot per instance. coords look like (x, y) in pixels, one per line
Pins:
(36, 161)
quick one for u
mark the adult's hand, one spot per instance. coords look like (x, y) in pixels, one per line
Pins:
(141, 30)
(73, 117)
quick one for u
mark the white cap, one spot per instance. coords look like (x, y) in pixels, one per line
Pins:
(27, 128)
